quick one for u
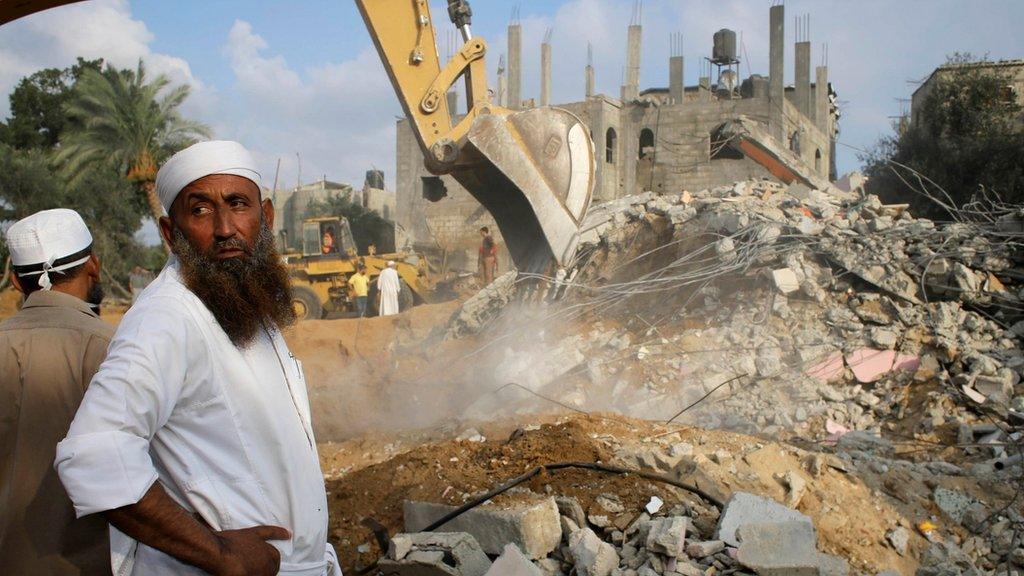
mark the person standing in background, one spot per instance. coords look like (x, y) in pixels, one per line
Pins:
(487, 260)
(360, 285)
(389, 285)
(49, 351)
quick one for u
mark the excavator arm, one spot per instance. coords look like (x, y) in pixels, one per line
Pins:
(533, 170)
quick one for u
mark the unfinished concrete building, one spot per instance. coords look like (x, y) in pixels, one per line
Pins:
(663, 139)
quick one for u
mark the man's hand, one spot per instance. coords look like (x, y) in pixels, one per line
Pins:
(245, 552)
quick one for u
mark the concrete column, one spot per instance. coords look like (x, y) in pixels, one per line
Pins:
(705, 89)
(776, 69)
(589, 72)
(545, 74)
(502, 95)
(453, 102)
(821, 115)
(675, 79)
(515, 52)
(633, 61)
(803, 78)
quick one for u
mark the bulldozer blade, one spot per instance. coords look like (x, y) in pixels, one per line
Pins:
(536, 178)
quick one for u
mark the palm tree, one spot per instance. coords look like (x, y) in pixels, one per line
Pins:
(119, 119)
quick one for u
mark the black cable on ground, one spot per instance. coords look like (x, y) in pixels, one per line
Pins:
(597, 467)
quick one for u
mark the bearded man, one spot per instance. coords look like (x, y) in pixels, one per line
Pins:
(194, 438)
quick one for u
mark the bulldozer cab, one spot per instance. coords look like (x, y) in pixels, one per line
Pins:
(329, 236)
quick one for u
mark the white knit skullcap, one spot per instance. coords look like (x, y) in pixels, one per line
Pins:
(47, 242)
(203, 159)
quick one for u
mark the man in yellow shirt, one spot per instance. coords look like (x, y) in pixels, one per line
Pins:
(360, 285)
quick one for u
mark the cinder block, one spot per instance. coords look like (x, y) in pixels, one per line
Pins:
(532, 525)
(745, 508)
(779, 549)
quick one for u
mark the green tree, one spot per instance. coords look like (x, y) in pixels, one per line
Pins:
(124, 121)
(37, 116)
(108, 203)
(368, 227)
(968, 134)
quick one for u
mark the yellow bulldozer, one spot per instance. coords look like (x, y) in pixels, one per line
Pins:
(328, 257)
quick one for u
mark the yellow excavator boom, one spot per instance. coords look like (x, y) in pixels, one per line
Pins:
(533, 170)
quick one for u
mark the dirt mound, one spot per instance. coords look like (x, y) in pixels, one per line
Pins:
(847, 505)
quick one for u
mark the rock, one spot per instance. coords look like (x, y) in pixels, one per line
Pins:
(974, 517)
(785, 280)
(568, 527)
(779, 549)
(666, 536)
(569, 506)
(745, 508)
(899, 538)
(550, 567)
(704, 549)
(434, 554)
(610, 503)
(797, 488)
(513, 562)
(829, 565)
(592, 556)
(953, 503)
(482, 306)
(943, 558)
(686, 569)
(534, 525)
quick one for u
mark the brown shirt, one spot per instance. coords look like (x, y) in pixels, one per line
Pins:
(49, 352)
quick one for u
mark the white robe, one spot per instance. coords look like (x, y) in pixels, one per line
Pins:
(389, 285)
(226, 431)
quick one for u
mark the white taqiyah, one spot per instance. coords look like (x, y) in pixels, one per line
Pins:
(203, 159)
(48, 242)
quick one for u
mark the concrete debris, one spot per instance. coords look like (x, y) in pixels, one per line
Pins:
(824, 316)
(434, 554)
(533, 524)
(482, 307)
(513, 562)
(590, 555)
(744, 508)
(779, 549)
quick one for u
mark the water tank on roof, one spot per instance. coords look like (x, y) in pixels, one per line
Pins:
(724, 50)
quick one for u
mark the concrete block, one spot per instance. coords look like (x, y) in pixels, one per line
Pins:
(704, 549)
(666, 536)
(513, 562)
(434, 554)
(745, 508)
(591, 555)
(785, 280)
(779, 549)
(533, 525)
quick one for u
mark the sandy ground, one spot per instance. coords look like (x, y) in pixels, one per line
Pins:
(851, 516)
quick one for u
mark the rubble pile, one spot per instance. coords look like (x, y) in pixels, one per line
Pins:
(808, 316)
(765, 508)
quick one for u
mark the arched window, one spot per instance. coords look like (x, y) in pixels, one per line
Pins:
(817, 160)
(609, 146)
(794, 142)
(646, 142)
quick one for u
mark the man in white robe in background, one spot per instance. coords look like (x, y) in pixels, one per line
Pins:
(389, 285)
(194, 438)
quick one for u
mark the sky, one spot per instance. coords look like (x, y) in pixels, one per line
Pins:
(301, 82)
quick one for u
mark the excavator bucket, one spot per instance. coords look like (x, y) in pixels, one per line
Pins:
(533, 170)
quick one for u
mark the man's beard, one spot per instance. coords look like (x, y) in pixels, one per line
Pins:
(243, 293)
(95, 297)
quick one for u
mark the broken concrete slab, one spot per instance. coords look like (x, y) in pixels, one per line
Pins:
(591, 555)
(704, 549)
(434, 554)
(785, 280)
(745, 508)
(666, 535)
(532, 524)
(513, 562)
(779, 549)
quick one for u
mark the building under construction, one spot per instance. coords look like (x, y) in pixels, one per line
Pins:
(659, 139)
